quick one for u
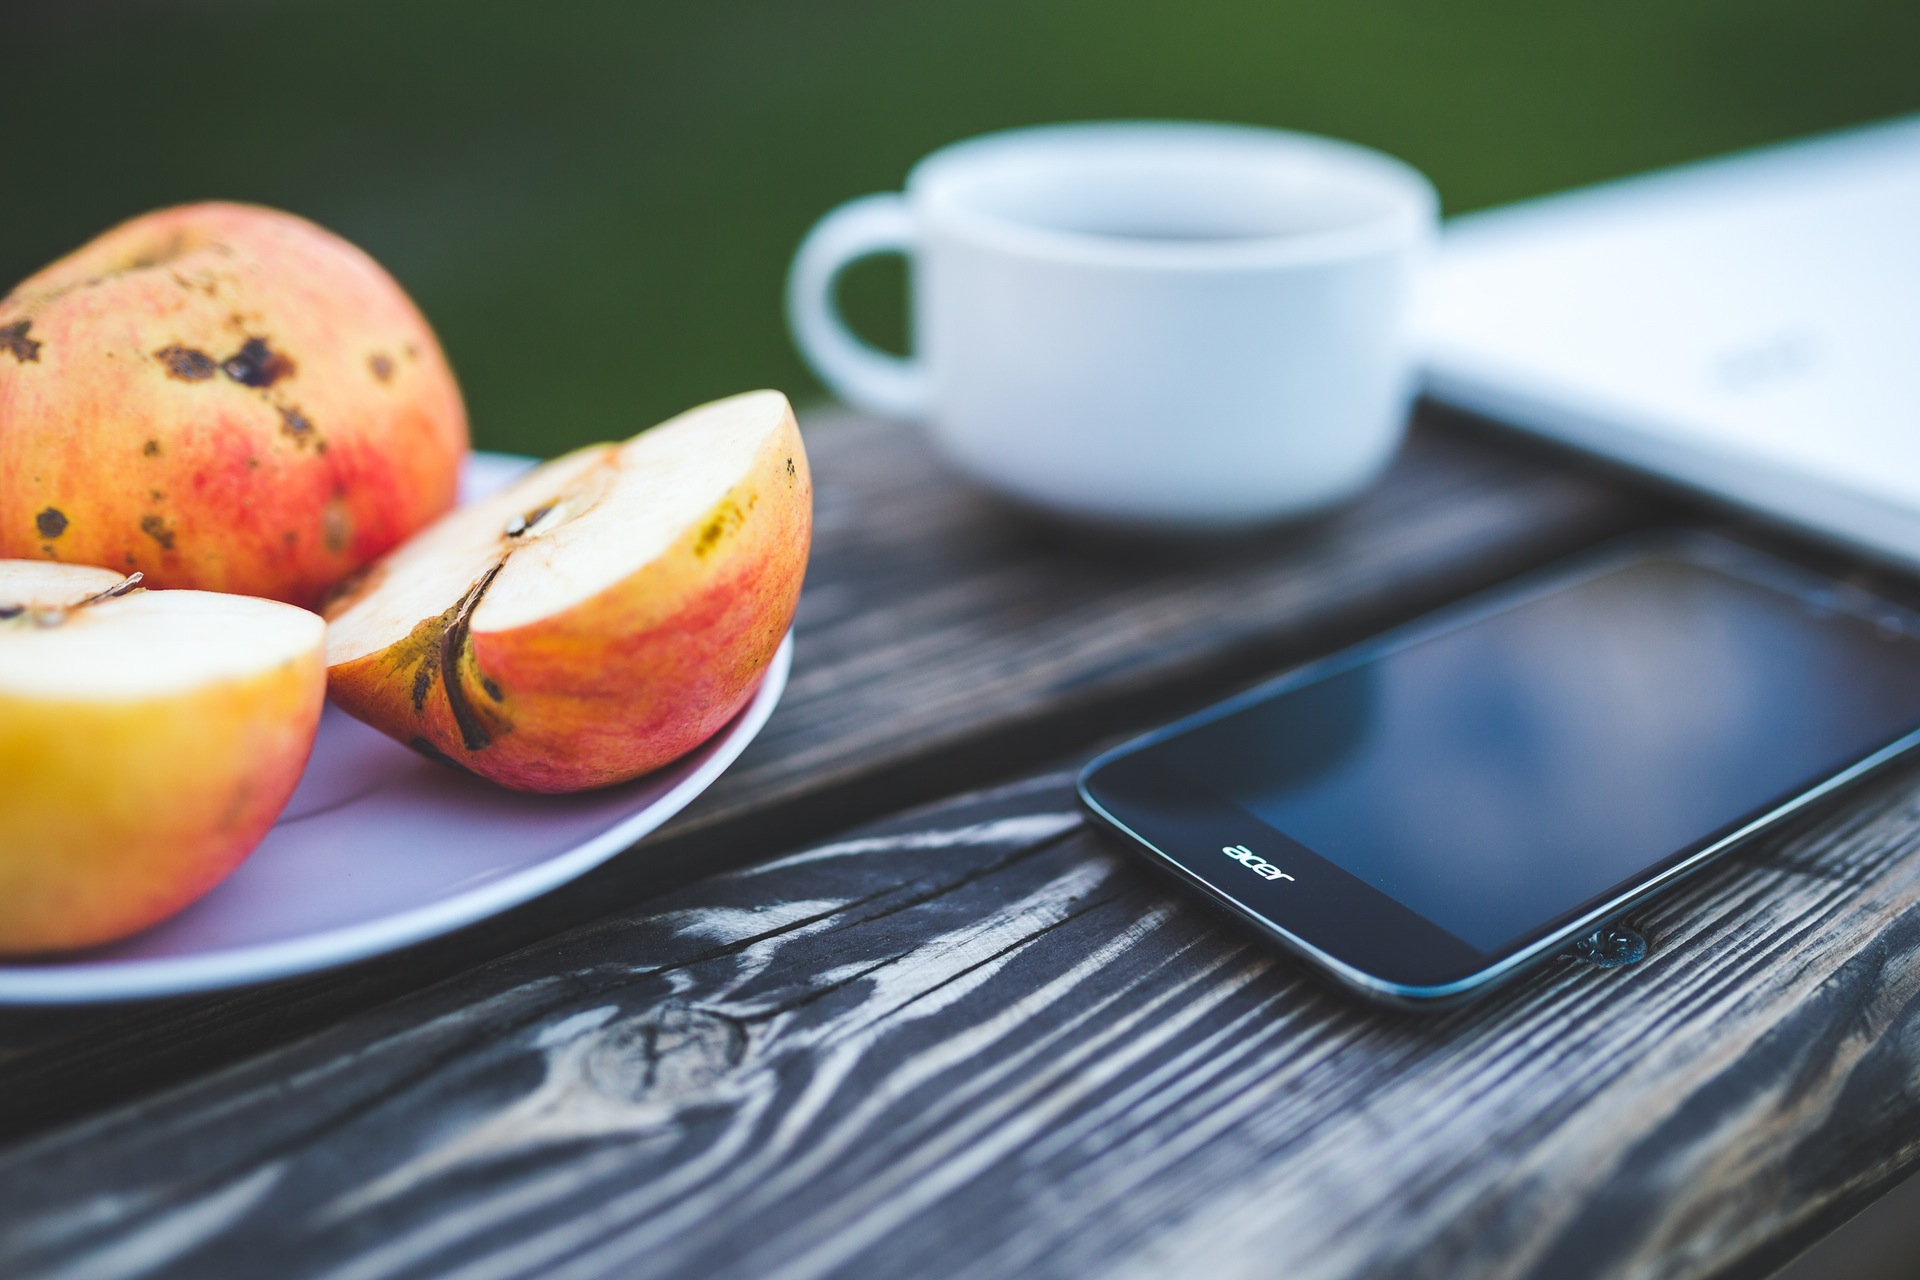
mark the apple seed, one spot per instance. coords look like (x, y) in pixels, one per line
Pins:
(521, 524)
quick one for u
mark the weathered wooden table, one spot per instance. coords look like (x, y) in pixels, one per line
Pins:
(812, 1029)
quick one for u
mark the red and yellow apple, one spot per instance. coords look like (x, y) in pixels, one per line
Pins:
(223, 397)
(605, 614)
(148, 740)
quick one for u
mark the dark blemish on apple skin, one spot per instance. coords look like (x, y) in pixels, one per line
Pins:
(724, 521)
(209, 285)
(156, 528)
(160, 255)
(493, 690)
(791, 473)
(151, 449)
(436, 755)
(188, 364)
(253, 464)
(422, 685)
(456, 642)
(256, 364)
(51, 523)
(155, 495)
(15, 342)
(336, 527)
(381, 365)
(295, 424)
(436, 650)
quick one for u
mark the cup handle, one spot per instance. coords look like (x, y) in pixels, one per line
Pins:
(862, 375)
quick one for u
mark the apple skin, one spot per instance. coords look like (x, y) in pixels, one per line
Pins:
(119, 814)
(629, 679)
(224, 397)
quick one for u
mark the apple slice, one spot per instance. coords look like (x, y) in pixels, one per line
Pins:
(148, 739)
(604, 615)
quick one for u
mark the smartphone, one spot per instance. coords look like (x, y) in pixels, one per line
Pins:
(1426, 814)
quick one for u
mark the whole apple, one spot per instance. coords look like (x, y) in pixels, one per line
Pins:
(223, 397)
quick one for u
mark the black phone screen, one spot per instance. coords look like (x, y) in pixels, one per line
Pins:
(1496, 776)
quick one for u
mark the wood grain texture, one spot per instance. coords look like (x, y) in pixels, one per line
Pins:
(942, 642)
(976, 1041)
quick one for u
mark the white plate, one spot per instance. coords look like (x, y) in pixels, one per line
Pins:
(380, 848)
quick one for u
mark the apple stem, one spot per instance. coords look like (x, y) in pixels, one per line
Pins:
(119, 588)
(55, 616)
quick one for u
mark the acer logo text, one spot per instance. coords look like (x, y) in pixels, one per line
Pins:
(1254, 862)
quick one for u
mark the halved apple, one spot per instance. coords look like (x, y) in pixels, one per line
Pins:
(604, 615)
(148, 739)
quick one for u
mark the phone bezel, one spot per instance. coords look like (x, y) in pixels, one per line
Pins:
(1704, 549)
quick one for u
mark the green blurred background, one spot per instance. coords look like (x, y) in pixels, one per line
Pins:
(595, 202)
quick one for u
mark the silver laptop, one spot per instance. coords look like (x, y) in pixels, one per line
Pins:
(1748, 326)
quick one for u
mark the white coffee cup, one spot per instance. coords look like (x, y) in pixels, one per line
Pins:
(1197, 326)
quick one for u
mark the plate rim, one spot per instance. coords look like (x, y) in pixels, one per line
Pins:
(51, 983)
